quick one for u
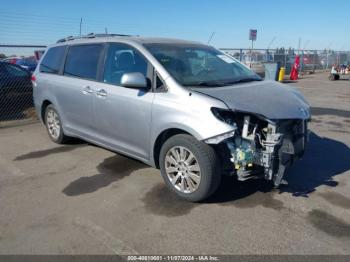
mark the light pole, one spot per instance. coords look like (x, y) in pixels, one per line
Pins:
(252, 37)
(81, 21)
(211, 37)
(251, 54)
(300, 57)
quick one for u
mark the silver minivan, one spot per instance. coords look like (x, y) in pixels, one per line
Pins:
(183, 107)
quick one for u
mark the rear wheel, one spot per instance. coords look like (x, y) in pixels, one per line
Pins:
(189, 167)
(54, 125)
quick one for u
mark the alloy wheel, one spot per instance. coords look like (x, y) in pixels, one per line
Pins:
(53, 124)
(182, 169)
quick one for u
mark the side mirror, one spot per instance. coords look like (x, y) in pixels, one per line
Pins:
(134, 80)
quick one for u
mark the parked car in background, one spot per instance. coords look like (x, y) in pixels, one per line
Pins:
(311, 62)
(11, 60)
(38, 54)
(28, 63)
(183, 107)
(16, 90)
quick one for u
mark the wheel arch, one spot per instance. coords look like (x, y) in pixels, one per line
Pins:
(161, 138)
(44, 105)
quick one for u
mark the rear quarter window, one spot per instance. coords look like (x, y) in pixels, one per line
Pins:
(52, 60)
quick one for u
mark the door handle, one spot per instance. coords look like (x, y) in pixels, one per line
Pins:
(101, 92)
(87, 90)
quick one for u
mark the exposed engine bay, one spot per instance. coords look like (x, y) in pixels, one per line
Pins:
(258, 147)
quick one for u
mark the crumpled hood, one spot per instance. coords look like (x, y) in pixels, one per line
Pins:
(270, 99)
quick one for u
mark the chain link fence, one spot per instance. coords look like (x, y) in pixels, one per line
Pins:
(17, 62)
(310, 60)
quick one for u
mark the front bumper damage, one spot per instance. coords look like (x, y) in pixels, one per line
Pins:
(258, 148)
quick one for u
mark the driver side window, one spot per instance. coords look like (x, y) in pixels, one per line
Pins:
(121, 59)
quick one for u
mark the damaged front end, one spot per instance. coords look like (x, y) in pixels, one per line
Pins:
(258, 147)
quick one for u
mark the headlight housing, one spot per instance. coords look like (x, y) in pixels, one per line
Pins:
(224, 115)
(219, 138)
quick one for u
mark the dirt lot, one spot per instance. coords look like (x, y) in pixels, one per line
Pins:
(82, 199)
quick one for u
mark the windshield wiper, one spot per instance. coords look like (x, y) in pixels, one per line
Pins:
(222, 83)
(242, 80)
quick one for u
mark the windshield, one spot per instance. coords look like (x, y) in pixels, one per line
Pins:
(200, 65)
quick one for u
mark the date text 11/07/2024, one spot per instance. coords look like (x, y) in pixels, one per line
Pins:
(173, 258)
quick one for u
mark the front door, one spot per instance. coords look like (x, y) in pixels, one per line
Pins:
(124, 115)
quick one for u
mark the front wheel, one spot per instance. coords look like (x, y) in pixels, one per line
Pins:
(189, 167)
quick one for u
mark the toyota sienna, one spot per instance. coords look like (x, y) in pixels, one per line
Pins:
(183, 107)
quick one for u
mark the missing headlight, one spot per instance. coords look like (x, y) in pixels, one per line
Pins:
(259, 147)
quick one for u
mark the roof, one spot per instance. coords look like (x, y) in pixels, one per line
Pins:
(111, 37)
(159, 40)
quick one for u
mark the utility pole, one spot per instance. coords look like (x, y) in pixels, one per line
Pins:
(268, 47)
(81, 21)
(251, 54)
(106, 31)
(211, 37)
(314, 53)
(327, 50)
(300, 56)
(272, 40)
(252, 37)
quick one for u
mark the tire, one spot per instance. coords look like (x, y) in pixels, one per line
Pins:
(204, 159)
(53, 121)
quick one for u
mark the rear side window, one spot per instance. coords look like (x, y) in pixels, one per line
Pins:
(82, 61)
(52, 61)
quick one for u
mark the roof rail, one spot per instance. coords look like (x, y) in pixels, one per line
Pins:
(91, 35)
